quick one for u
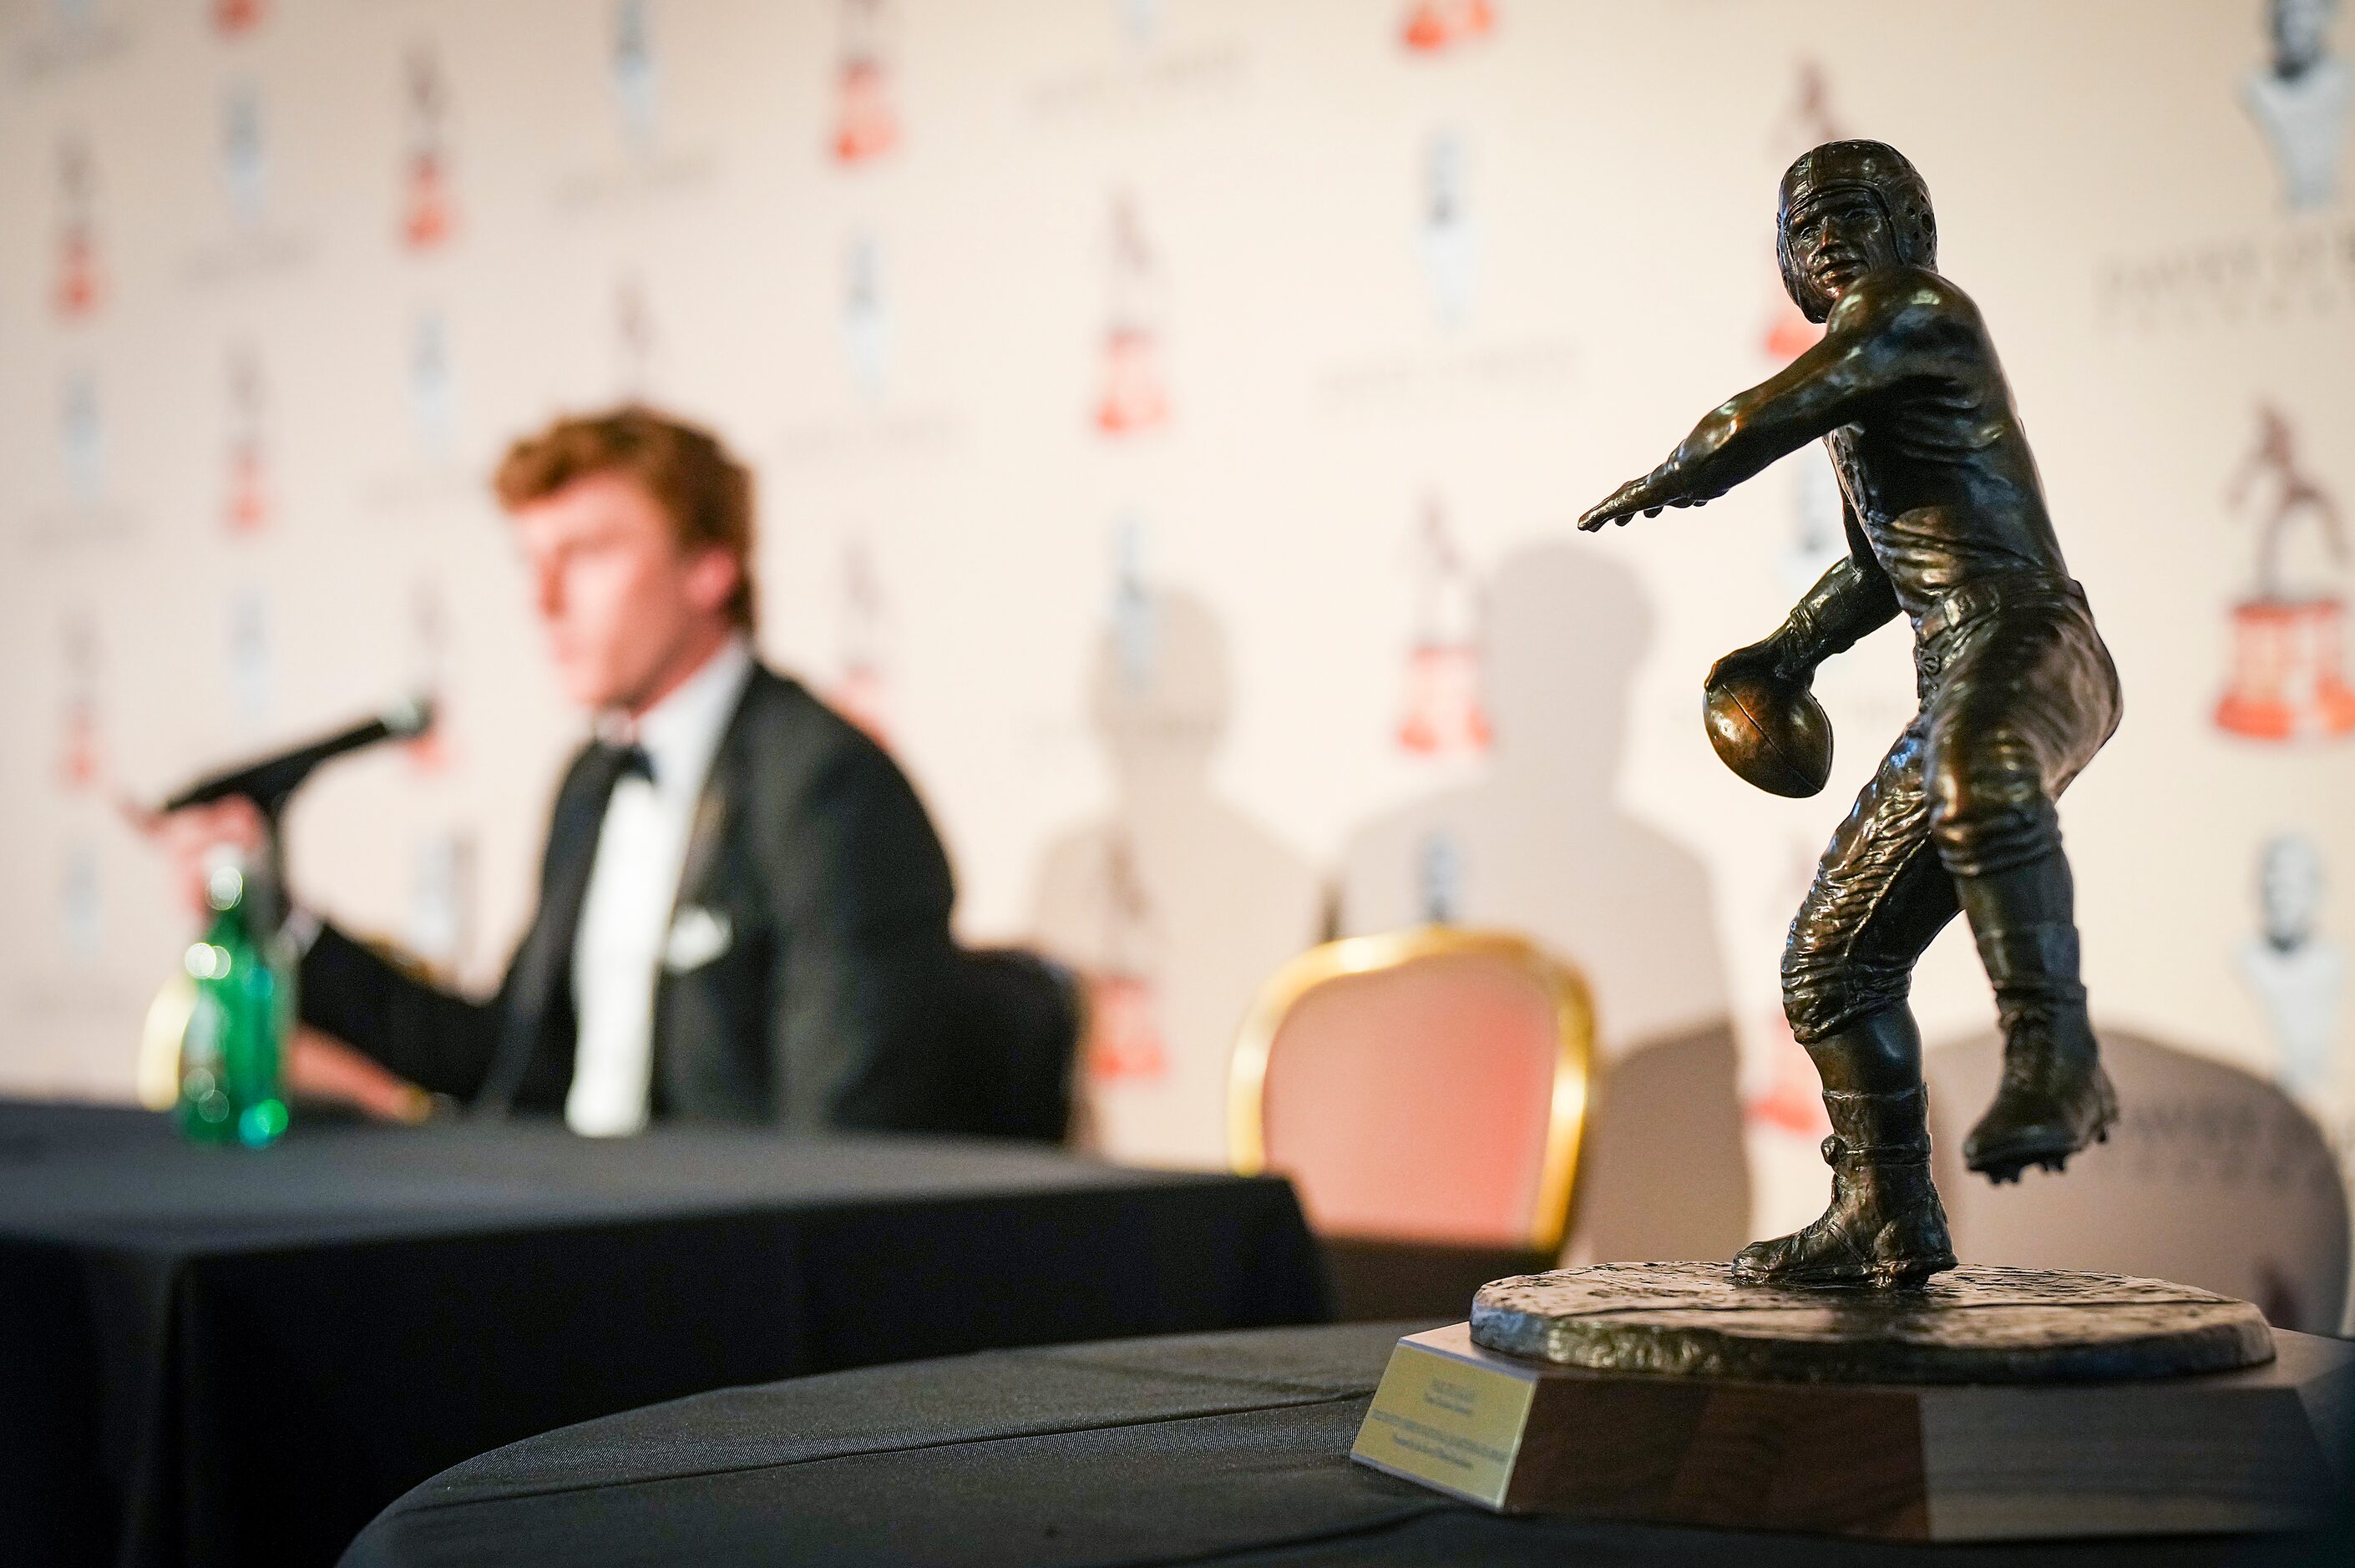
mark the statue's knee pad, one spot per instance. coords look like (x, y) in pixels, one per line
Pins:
(1825, 990)
(1988, 807)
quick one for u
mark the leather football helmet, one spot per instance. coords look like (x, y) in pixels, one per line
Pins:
(1883, 172)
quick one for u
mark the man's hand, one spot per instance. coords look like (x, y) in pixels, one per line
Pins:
(186, 837)
(320, 1067)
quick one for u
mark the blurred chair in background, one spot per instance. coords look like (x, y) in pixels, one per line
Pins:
(1023, 1019)
(1427, 1092)
(2212, 1178)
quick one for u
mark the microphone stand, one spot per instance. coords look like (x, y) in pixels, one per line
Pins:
(265, 885)
(268, 784)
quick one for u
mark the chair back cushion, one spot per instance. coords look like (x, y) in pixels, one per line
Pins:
(1415, 1101)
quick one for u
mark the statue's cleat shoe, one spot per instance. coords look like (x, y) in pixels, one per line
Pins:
(1826, 1256)
(1885, 1229)
(2045, 1110)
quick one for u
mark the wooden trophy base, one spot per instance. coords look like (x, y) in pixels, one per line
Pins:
(2250, 1450)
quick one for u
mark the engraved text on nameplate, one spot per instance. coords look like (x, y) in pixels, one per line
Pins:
(1446, 1423)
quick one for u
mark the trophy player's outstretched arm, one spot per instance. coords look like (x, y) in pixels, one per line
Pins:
(1865, 349)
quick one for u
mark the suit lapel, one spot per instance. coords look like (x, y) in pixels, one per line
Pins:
(704, 839)
(714, 811)
(716, 807)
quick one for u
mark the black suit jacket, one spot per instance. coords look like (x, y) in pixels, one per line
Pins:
(830, 1005)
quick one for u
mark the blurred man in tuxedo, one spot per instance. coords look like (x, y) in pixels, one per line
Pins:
(744, 909)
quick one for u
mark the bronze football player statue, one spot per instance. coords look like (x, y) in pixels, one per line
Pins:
(1946, 525)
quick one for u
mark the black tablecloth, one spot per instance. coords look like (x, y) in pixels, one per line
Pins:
(221, 1356)
(1228, 1448)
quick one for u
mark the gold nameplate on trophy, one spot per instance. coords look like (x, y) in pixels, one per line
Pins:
(1449, 1423)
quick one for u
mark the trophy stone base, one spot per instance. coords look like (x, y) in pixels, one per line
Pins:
(1987, 1443)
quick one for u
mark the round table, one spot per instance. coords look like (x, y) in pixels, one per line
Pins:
(1227, 1448)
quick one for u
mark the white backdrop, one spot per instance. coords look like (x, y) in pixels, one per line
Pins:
(1151, 399)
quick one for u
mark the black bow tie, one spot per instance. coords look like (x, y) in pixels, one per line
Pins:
(628, 760)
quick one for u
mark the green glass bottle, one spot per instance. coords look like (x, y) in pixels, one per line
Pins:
(230, 1054)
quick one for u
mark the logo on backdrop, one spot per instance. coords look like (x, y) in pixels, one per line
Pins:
(81, 439)
(252, 674)
(1143, 70)
(255, 237)
(429, 673)
(2300, 99)
(865, 323)
(636, 95)
(633, 336)
(645, 167)
(1433, 27)
(2296, 973)
(1453, 359)
(1140, 21)
(440, 927)
(246, 508)
(81, 756)
(2289, 677)
(1135, 629)
(2300, 102)
(72, 34)
(1439, 877)
(1443, 717)
(1135, 391)
(432, 389)
(860, 691)
(874, 427)
(421, 476)
(1125, 1037)
(429, 212)
(1126, 1040)
(236, 18)
(865, 124)
(81, 283)
(82, 910)
(1449, 238)
(245, 167)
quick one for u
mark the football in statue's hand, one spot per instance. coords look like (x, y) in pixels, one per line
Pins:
(1771, 731)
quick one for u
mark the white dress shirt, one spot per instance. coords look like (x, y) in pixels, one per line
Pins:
(625, 916)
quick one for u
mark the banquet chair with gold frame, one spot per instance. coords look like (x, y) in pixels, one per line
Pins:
(1427, 1091)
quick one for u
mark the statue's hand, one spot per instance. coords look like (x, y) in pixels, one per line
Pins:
(1650, 495)
(1769, 658)
(1636, 495)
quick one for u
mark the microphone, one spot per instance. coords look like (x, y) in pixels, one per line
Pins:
(268, 781)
